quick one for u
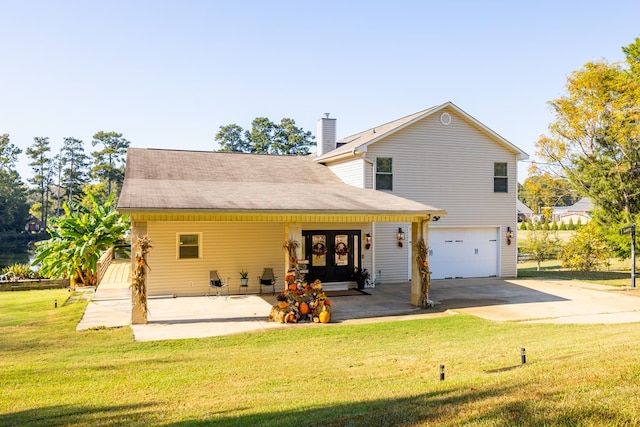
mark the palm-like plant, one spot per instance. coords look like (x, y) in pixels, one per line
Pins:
(78, 239)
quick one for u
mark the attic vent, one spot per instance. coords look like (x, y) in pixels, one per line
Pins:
(445, 119)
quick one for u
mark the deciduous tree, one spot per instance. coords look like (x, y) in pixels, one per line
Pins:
(595, 138)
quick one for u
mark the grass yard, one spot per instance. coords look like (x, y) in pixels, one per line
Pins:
(375, 374)
(618, 274)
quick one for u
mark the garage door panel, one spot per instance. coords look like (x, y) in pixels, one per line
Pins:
(463, 252)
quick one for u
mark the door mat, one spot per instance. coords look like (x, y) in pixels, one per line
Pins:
(345, 293)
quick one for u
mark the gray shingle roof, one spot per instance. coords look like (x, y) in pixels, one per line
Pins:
(199, 180)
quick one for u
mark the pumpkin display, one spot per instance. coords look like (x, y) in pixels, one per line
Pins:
(299, 302)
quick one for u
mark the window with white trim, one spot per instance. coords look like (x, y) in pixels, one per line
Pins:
(500, 179)
(189, 245)
(384, 173)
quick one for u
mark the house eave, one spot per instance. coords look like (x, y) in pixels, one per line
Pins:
(138, 214)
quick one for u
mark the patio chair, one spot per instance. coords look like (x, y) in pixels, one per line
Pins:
(268, 279)
(216, 282)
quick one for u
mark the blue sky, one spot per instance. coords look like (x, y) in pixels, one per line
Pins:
(168, 74)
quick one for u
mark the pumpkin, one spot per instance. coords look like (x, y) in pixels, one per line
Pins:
(316, 319)
(325, 316)
(293, 287)
(283, 304)
(304, 308)
(291, 318)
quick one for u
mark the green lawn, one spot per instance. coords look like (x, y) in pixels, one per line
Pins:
(358, 375)
(618, 273)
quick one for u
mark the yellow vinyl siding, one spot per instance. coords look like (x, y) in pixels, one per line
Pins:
(226, 246)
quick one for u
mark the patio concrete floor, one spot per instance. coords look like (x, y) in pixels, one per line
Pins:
(516, 300)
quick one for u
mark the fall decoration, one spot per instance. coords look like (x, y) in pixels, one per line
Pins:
(304, 308)
(138, 281)
(291, 246)
(324, 316)
(342, 249)
(319, 249)
(304, 302)
(425, 274)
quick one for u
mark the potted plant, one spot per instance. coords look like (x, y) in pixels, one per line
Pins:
(244, 280)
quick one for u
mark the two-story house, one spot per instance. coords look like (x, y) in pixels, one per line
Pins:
(442, 157)
(360, 202)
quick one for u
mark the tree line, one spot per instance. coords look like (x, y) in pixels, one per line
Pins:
(68, 175)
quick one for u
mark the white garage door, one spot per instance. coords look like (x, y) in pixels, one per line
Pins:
(460, 252)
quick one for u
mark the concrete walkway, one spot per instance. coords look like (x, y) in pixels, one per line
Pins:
(110, 306)
(516, 300)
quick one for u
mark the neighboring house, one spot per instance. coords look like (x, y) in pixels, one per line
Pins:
(231, 212)
(523, 211)
(580, 212)
(33, 225)
(442, 157)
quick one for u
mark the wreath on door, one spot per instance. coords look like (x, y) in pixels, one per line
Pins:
(342, 249)
(319, 249)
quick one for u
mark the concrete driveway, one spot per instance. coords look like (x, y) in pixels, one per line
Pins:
(515, 300)
(537, 301)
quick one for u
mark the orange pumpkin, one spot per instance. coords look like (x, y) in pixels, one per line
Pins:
(283, 304)
(325, 316)
(291, 318)
(304, 308)
(293, 287)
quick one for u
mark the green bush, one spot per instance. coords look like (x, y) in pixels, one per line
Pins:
(21, 271)
(586, 251)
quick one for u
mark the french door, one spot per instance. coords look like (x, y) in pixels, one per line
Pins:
(332, 254)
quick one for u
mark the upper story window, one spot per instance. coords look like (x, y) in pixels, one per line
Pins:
(384, 173)
(500, 180)
(189, 246)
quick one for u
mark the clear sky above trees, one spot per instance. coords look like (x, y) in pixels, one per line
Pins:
(168, 74)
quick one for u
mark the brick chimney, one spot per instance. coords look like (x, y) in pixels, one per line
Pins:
(325, 135)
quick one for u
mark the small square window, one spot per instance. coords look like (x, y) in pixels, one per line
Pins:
(500, 179)
(188, 246)
(384, 173)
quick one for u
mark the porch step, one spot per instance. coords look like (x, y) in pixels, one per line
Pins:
(339, 286)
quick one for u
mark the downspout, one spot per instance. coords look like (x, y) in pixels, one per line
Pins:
(374, 271)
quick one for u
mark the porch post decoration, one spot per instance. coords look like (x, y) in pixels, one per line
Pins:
(291, 246)
(138, 282)
(425, 274)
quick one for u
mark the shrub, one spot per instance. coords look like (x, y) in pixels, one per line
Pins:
(586, 250)
(21, 271)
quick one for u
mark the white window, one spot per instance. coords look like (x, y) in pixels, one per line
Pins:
(500, 180)
(384, 173)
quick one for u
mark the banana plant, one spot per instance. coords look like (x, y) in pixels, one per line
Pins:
(78, 239)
